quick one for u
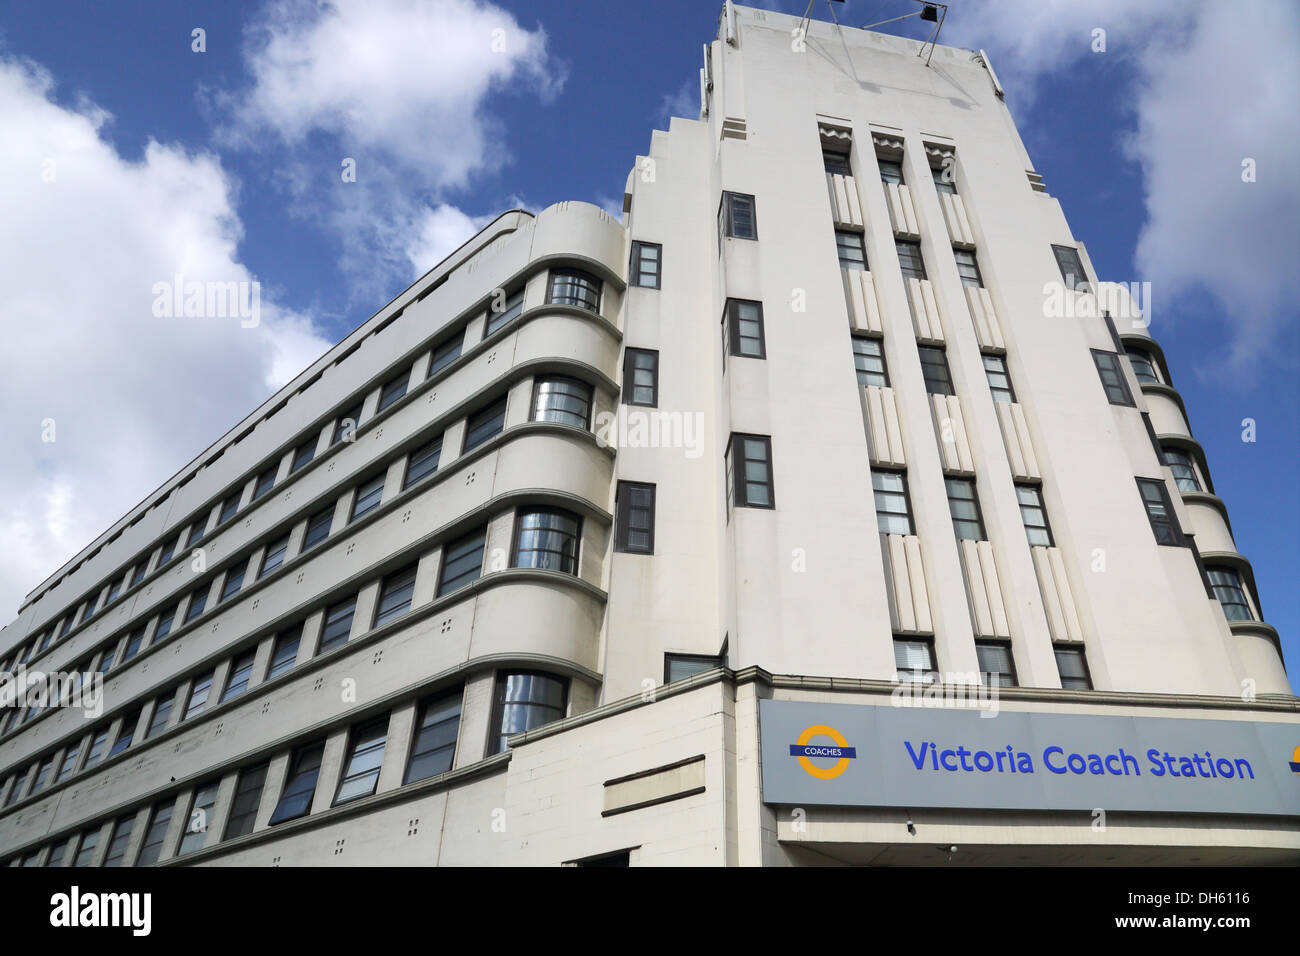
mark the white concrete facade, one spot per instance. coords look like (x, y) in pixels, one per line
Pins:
(801, 601)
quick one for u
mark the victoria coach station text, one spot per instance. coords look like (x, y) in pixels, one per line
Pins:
(1055, 759)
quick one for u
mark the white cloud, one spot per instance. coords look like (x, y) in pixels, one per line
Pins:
(438, 232)
(132, 396)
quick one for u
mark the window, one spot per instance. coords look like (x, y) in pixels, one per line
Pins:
(69, 762)
(110, 655)
(968, 269)
(113, 590)
(345, 428)
(891, 171)
(434, 743)
(853, 254)
(228, 508)
(89, 610)
(86, 852)
(1067, 260)
(945, 178)
(634, 518)
(1144, 366)
(934, 368)
(909, 259)
(162, 711)
(1034, 515)
(510, 309)
(395, 595)
(893, 505)
(446, 352)
(1226, 585)
(547, 540)
(338, 624)
(164, 624)
(156, 834)
(736, 217)
(198, 600)
(45, 641)
(240, 672)
(166, 555)
(641, 377)
(394, 390)
(1180, 463)
(42, 774)
(995, 369)
(126, 734)
(285, 653)
(571, 287)
(196, 827)
(647, 260)
(133, 642)
(369, 494)
(965, 508)
(67, 623)
(234, 581)
(199, 694)
(96, 748)
(526, 701)
(462, 561)
(742, 329)
(300, 786)
(836, 162)
(58, 852)
(20, 779)
(318, 528)
(749, 472)
(485, 424)
(265, 482)
(366, 756)
(869, 360)
(243, 807)
(422, 462)
(680, 666)
(996, 666)
(121, 837)
(1072, 667)
(138, 574)
(303, 455)
(563, 400)
(1112, 379)
(1160, 512)
(196, 532)
(274, 556)
(914, 660)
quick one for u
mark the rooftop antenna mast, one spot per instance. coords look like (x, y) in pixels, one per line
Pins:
(803, 23)
(931, 13)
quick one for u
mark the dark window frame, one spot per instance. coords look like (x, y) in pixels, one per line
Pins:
(879, 344)
(537, 411)
(727, 215)
(1076, 652)
(944, 382)
(901, 474)
(736, 480)
(623, 509)
(636, 270)
(630, 368)
(590, 289)
(731, 329)
(711, 660)
(1080, 281)
(974, 498)
(1170, 522)
(476, 423)
(1010, 677)
(1109, 362)
(517, 550)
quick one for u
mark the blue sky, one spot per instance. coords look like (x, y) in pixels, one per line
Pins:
(1127, 148)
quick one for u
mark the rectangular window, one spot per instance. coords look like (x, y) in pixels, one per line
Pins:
(285, 653)
(86, 852)
(914, 660)
(198, 600)
(69, 762)
(58, 852)
(96, 748)
(641, 377)
(646, 264)
(133, 642)
(138, 574)
(968, 269)
(893, 504)
(156, 834)
(196, 532)
(547, 539)
(89, 610)
(338, 624)
(910, 260)
(499, 318)
(162, 711)
(300, 786)
(265, 482)
(274, 556)
(736, 216)
(836, 162)
(164, 556)
(117, 845)
(891, 171)
(853, 254)
(164, 624)
(422, 462)
(42, 775)
(749, 471)
(462, 561)
(243, 807)
(318, 527)
(1072, 667)
(566, 401)
(1180, 463)
(1160, 511)
(368, 496)
(995, 369)
(234, 581)
(1226, 585)
(934, 368)
(345, 428)
(869, 360)
(240, 673)
(395, 595)
(228, 508)
(1034, 515)
(1112, 378)
(303, 455)
(365, 757)
(965, 508)
(485, 424)
(446, 352)
(196, 827)
(113, 590)
(67, 621)
(575, 288)
(742, 330)
(997, 669)
(1067, 260)
(394, 390)
(944, 178)
(126, 734)
(433, 744)
(634, 518)
(199, 693)
(680, 666)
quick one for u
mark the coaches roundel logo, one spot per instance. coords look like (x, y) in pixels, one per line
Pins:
(809, 748)
(1295, 760)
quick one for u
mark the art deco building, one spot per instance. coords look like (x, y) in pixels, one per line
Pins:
(826, 509)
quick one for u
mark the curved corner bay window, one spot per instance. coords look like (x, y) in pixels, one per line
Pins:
(573, 287)
(300, 786)
(434, 743)
(1144, 366)
(1226, 585)
(361, 773)
(526, 701)
(1180, 463)
(563, 400)
(548, 540)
